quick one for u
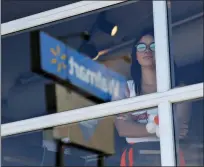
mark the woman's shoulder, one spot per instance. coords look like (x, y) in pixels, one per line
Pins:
(131, 88)
(130, 82)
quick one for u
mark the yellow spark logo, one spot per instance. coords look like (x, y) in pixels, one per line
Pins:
(59, 59)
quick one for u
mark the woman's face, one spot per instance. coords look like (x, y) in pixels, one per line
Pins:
(145, 54)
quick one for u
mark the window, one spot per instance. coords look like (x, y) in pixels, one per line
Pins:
(189, 133)
(54, 94)
(97, 134)
(96, 57)
(186, 48)
(30, 149)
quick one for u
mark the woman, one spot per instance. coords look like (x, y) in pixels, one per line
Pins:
(133, 126)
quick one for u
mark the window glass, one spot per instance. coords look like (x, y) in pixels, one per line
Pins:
(90, 59)
(186, 42)
(10, 9)
(189, 132)
(129, 139)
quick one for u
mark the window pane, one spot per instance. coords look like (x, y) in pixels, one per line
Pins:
(126, 139)
(186, 42)
(188, 119)
(97, 58)
(10, 9)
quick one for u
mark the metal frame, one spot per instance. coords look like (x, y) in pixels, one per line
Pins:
(164, 82)
(102, 110)
(54, 15)
(163, 98)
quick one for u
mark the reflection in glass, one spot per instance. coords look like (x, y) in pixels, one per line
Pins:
(30, 149)
(119, 62)
(186, 42)
(189, 133)
(41, 148)
(92, 80)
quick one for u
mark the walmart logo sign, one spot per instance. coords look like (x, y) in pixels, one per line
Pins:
(68, 64)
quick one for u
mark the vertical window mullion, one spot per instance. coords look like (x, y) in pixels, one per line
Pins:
(162, 46)
(167, 144)
(166, 130)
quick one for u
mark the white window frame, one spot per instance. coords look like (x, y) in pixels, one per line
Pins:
(163, 98)
(54, 15)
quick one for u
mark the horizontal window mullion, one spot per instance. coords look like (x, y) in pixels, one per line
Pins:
(102, 110)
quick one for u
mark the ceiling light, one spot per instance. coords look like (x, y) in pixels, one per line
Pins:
(114, 30)
(108, 27)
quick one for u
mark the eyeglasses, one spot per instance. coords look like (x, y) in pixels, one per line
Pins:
(141, 47)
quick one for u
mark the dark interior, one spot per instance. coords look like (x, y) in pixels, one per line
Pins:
(12, 10)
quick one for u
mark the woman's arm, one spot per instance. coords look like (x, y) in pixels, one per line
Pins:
(182, 116)
(127, 128)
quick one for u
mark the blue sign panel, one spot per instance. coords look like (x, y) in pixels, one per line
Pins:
(66, 63)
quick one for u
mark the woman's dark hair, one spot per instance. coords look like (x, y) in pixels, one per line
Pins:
(135, 66)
